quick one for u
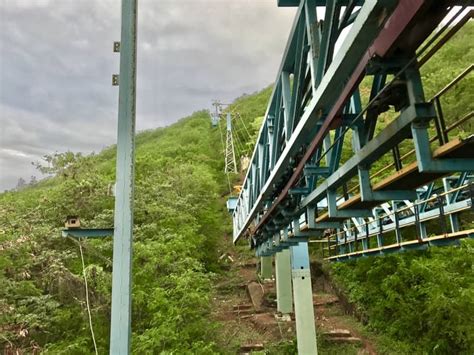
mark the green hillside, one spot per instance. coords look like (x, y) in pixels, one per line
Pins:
(178, 218)
(424, 300)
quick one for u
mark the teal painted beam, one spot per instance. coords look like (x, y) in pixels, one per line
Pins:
(87, 233)
(299, 72)
(327, 38)
(367, 194)
(120, 332)
(395, 132)
(314, 39)
(426, 163)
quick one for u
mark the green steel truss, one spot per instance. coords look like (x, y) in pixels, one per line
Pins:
(296, 187)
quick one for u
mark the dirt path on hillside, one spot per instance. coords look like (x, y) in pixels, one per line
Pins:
(245, 309)
(332, 318)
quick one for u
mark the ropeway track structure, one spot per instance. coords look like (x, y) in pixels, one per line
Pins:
(320, 171)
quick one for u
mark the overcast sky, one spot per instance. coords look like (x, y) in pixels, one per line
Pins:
(56, 63)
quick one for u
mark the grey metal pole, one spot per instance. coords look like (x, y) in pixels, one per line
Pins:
(120, 332)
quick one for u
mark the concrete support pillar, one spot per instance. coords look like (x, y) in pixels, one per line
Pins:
(283, 282)
(266, 267)
(303, 296)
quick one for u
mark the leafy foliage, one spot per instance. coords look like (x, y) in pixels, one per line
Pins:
(425, 299)
(178, 218)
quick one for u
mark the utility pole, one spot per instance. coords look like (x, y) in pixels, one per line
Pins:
(120, 327)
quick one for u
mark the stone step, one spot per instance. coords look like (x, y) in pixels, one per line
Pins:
(337, 333)
(348, 340)
(242, 306)
(247, 316)
(246, 348)
(248, 264)
(324, 300)
(243, 311)
(256, 291)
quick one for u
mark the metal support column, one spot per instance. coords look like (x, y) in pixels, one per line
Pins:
(303, 296)
(283, 282)
(266, 267)
(122, 251)
(453, 217)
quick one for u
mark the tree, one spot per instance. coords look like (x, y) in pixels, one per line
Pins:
(33, 180)
(60, 164)
(21, 184)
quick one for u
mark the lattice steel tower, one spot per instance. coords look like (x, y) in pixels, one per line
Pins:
(230, 163)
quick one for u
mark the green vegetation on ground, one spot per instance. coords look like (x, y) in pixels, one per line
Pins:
(424, 299)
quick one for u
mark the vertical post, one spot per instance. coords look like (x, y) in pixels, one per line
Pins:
(366, 241)
(356, 232)
(440, 123)
(283, 282)
(122, 250)
(380, 232)
(303, 296)
(266, 267)
(398, 233)
(453, 217)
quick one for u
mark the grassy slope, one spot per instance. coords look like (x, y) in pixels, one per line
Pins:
(178, 218)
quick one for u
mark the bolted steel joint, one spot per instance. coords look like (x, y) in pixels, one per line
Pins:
(115, 80)
(116, 47)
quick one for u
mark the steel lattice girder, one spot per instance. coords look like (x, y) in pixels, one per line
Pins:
(287, 131)
(283, 148)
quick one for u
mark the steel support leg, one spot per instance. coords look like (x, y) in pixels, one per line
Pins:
(122, 249)
(454, 222)
(283, 282)
(423, 231)
(266, 267)
(453, 217)
(303, 296)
